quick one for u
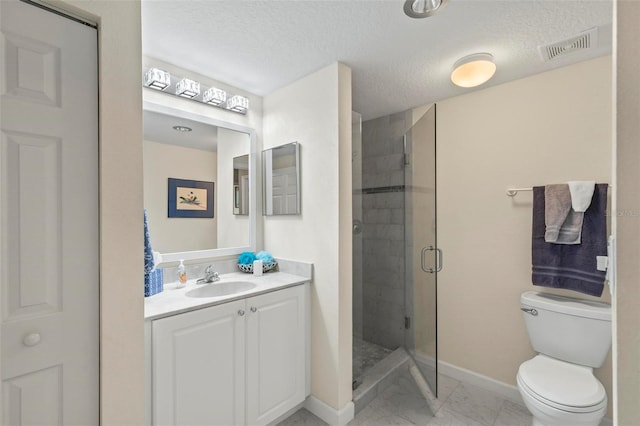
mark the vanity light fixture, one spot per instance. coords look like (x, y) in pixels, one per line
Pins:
(422, 8)
(214, 96)
(187, 88)
(183, 129)
(157, 79)
(473, 70)
(238, 103)
(160, 80)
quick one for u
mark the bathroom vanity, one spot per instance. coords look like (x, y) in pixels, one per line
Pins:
(233, 352)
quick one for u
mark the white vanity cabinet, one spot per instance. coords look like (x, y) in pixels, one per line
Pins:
(237, 363)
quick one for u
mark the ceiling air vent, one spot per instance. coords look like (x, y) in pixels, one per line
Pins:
(583, 41)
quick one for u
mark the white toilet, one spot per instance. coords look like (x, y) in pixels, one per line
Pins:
(571, 336)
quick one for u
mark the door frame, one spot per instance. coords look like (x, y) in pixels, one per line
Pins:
(121, 243)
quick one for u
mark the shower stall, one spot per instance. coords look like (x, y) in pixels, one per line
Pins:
(395, 254)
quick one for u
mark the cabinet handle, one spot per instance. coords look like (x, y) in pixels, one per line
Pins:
(241, 312)
(253, 309)
(31, 339)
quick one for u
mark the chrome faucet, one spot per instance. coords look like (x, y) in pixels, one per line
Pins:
(210, 276)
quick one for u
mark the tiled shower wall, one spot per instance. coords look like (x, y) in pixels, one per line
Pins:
(383, 217)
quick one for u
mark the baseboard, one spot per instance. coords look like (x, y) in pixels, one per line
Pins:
(606, 422)
(287, 414)
(505, 390)
(329, 414)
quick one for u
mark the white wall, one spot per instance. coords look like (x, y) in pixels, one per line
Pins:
(163, 161)
(628, 214)
(121, 230)
(552, 127)
(316, 112)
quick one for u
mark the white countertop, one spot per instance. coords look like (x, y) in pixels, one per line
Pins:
(173, 300)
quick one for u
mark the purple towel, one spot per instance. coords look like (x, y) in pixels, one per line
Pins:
(572, 267)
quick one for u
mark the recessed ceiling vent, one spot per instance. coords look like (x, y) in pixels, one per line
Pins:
(580, 43)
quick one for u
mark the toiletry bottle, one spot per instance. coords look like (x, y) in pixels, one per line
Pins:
(257, 268)
(182, 275)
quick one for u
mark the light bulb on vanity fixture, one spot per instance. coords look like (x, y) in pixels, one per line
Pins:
(238, 103)
(473, 70)
(214, 96)
(157, 79)
(187, 88)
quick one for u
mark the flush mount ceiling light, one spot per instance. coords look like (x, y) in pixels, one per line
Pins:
(157, 79)
(473, 70)
(187, 88)
(422, 8)
(182, 128)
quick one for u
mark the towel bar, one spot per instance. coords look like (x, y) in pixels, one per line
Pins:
(511, 192)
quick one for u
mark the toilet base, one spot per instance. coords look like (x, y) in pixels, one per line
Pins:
(538, 422)
(565, 419)
(544, 415)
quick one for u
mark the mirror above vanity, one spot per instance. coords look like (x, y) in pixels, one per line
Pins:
(210, 160)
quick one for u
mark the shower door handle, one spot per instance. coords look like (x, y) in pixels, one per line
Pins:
(423, 261)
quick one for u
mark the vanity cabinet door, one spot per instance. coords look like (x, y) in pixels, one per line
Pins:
(199, 367)
(276, 353)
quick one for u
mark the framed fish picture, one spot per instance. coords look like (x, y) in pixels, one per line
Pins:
(190, 198)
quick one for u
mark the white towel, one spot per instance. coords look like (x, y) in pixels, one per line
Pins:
(157, 259)
(581, 194)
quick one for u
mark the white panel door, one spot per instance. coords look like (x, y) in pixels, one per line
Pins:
(199, 367)
(276, 339)
(285, 191)
(49, 276)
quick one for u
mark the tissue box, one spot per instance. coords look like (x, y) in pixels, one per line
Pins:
(153, 282)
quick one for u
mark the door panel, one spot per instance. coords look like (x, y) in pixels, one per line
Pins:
(276, 354)
(39, 388)
(421, 240)
(33, 182)
(49, 280)
(198, 367)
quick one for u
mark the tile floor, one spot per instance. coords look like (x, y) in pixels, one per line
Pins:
(402, 403)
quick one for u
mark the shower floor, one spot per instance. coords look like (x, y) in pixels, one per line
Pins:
(366, 355)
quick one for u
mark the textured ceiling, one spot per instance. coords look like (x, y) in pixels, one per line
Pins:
(397, 62)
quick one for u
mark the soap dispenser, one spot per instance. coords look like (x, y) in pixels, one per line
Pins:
(182, 275)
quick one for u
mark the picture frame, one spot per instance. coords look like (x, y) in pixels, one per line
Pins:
(190, 198)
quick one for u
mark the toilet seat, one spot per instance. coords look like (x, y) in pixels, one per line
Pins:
(561, 385)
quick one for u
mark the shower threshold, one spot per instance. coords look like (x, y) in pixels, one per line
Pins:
(384, 373)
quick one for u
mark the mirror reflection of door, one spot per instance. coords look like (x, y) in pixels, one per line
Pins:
(281, 183)
(241, 185)
(284, 188)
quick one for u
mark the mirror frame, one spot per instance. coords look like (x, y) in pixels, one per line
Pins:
(253, 201)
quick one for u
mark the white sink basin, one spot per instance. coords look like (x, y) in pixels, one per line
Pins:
(220, 289)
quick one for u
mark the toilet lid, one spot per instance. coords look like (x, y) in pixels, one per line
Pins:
(561, 384)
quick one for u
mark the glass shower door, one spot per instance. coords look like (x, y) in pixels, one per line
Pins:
(423, 259)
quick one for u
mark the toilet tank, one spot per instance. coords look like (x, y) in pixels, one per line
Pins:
(567, 328)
